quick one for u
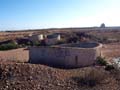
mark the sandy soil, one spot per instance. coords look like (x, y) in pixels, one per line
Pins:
(19, 55)
(110, 51)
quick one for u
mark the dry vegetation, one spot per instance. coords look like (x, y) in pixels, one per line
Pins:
(25, 76)
(39, 77)
(110, 51)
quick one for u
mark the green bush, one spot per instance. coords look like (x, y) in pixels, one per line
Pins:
(60, 42)
(101, 61)
(39, 43)
(36, 43)
(8, 46)
(109, 67)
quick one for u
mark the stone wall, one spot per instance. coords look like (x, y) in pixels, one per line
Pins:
(35, 38)
(51, 41)
(64, 56)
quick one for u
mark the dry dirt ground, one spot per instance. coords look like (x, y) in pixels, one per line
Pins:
(110, 51)
(19, 55)
(25, 76)
(39, 77)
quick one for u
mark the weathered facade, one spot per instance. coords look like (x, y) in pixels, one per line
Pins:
(53, 39)
(35, 38)
(49, 39)
(64, 56)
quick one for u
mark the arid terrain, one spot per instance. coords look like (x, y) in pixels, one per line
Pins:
(17, 74)
(16, 55)
(109, 51)
(40, 77)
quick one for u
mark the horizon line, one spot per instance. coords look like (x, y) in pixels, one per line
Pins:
(30, 29)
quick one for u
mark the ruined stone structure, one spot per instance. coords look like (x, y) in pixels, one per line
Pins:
(70, 55)
(35, 38)
(49, 39)
(53, 39)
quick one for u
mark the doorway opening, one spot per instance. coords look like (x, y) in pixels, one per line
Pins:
(76, 60)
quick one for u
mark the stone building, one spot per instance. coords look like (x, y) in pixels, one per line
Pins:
(50, 39)
(35, 38)
(70, 55)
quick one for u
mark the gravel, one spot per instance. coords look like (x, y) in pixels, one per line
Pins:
(25, 76)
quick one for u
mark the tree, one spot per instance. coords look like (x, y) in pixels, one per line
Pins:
(102, 25)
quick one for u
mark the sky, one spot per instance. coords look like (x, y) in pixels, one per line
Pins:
(39, 14)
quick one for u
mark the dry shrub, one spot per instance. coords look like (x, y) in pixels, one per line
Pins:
(101, 61)
(116, 74)
(92, 78)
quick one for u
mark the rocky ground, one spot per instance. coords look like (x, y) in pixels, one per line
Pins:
(24, 76)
